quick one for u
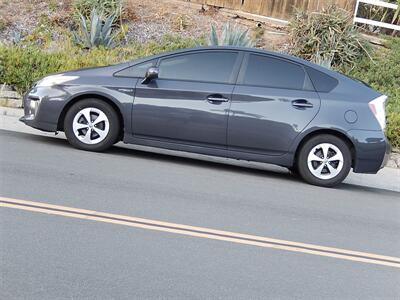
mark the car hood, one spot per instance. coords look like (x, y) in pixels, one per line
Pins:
(97, 71)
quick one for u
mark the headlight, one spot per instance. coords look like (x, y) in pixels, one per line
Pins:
(55, 80)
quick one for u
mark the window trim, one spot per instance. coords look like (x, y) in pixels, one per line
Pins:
(307, 85)
(133, 65)
(235, 70)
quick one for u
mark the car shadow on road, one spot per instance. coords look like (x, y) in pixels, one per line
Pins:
(203, 161)
(174, 157)
(231, 165)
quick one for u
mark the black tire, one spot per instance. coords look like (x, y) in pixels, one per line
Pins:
(113, 122)
(306, 173)
(294, 171)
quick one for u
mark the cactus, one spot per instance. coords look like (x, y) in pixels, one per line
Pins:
(231, 36)
(98, 33)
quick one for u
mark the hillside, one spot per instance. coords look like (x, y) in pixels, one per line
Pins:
(142, 21)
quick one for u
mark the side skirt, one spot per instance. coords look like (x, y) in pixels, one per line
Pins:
(285, 160)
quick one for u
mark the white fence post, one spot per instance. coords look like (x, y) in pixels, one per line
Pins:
(372, 22)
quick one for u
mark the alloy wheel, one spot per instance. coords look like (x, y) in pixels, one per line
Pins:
(325, 161)
(91, 125)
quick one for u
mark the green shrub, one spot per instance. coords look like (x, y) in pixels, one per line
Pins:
(383, 74)
(168, 43)
(20, 66)
(231, 36)
(327, 37)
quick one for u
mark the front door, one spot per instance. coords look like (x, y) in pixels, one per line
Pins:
(189, 102)
(272, 103)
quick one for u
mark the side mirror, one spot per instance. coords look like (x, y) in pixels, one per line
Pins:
(151, 74)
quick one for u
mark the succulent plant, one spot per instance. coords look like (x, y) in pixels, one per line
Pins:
(324, 60)
(17, 37)
(94, 32)
(231, 35)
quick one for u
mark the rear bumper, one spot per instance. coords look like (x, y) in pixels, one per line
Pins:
(372, 150)
(387, 154)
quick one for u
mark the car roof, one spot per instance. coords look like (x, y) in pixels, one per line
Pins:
(221, 48)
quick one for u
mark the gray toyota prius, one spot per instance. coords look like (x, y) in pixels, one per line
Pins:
(230, 102)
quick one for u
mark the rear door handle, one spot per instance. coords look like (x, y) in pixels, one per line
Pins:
(302, 103)
(217, 98)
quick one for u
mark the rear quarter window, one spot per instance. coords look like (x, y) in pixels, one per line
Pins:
(321, 81)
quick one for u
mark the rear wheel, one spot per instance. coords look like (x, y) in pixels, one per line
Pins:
(92, 125)
(324, 160)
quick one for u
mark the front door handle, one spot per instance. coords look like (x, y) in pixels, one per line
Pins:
(217, 99)
(302, 103)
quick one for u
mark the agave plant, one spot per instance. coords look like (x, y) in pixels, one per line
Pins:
(94, 32)
(231, 36)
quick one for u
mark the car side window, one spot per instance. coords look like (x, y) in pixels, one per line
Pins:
(273, 72)
(322, 82)
(138, 70)
(203, 66)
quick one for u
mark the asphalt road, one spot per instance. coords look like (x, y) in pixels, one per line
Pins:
(45, 256)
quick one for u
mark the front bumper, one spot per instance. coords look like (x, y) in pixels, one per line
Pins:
(34, 114)
(44, 126)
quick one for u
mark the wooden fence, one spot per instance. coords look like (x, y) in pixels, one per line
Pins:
(280, 9)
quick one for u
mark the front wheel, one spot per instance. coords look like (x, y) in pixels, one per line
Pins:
(324, 160)
(91, 125)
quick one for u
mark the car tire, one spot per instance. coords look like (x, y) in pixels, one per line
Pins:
(324, 160)
(294, 171)
(97, 134)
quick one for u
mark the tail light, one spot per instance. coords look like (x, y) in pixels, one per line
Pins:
(377, 107)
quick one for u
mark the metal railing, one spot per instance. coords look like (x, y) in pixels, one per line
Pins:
(373, 22)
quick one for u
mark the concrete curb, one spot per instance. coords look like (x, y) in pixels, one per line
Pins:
(11, 111)
(387, 178)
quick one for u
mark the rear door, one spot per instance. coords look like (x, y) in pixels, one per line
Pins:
(189, 102)
(272, 103)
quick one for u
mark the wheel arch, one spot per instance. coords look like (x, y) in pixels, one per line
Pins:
(334, 132)
(72, 101)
